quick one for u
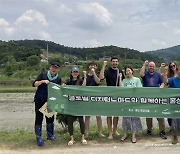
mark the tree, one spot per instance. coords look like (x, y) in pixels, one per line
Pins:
(33, 60)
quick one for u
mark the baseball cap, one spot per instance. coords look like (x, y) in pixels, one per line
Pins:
(75, 69)
(56, 64)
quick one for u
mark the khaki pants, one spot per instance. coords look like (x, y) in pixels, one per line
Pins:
(160, 121)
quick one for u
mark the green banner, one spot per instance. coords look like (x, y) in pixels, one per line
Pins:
(114, 101)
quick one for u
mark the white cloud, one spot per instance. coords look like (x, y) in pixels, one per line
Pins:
(31, 16)
(62, 8)
(158, 42)
(93, 15)
(5, 27)
(177, 31)
(44, 35)
(93, 43)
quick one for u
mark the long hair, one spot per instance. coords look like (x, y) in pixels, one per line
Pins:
(170, 71)
(78, 79)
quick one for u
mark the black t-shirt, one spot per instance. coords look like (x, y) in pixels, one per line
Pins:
(74, 82)
(90, 81)
(111, 76)
(42, 90)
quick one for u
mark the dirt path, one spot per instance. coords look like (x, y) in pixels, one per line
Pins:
(142, 147)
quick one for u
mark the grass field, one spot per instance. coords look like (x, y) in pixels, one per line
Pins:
(21, 139)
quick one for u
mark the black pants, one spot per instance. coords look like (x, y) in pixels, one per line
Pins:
(71, 120)
(39, 116)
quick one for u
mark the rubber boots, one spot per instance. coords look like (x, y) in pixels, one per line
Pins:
(38, 132)
(50, 132)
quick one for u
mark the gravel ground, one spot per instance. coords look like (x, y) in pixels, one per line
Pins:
(17, 110)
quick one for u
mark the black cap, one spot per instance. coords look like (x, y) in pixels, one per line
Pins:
(56, 64)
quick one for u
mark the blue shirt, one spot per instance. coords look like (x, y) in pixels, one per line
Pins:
(152, 80)
(174, 82)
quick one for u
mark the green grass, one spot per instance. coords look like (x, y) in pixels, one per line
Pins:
(21, 139)
(17, 89)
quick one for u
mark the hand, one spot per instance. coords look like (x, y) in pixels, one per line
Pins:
(105, 63)
(84, 73)
(163, 65)
(146, 63)
(63, 84)
(120, 75)
(93, 70)
(45, 81)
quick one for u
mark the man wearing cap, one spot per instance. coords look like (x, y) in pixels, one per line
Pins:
(40, 99)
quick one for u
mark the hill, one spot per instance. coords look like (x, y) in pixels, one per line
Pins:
(90, 53)
(168, 54)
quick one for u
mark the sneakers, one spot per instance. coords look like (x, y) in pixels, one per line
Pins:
(101, 135)
(123, 138)
(162, 134)
(149, 133)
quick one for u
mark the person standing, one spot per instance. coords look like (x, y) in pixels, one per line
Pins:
(174, 82)
(151, 78)
(92, 79)
(40, 99)
(171, 72)
(112, 79)
(130, 123)
(75, 80)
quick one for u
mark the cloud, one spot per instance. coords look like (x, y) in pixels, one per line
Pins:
(93, 43)
(177, 31)
(62, 9)
(32, 16)
(30, 25)
(93, 16)
(5, 28)
(158, 42)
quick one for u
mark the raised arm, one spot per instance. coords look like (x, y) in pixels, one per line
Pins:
(101, 75)
(142, 70)
(120, 80)
(85, 77)
(97, 80)
(164, 75)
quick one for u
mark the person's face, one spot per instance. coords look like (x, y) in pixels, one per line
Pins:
(75, 74)
(114, 63)
(92, 67)
(173, 66)
(54, 70)
(129, 72)
(151, 67)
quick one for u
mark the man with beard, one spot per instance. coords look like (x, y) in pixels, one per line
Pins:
(112, 79)
(150, 78)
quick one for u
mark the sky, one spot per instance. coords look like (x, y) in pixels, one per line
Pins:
(143, 25)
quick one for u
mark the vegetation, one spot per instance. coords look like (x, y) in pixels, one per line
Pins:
(21, 61)
(22, 139)
(169, 54)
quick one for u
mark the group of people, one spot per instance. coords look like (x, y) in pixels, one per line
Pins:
(114, 77)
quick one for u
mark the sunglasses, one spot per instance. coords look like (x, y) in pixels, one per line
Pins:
(172, 66)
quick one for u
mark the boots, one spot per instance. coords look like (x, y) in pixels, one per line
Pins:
(50, 132)
(38, 132)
